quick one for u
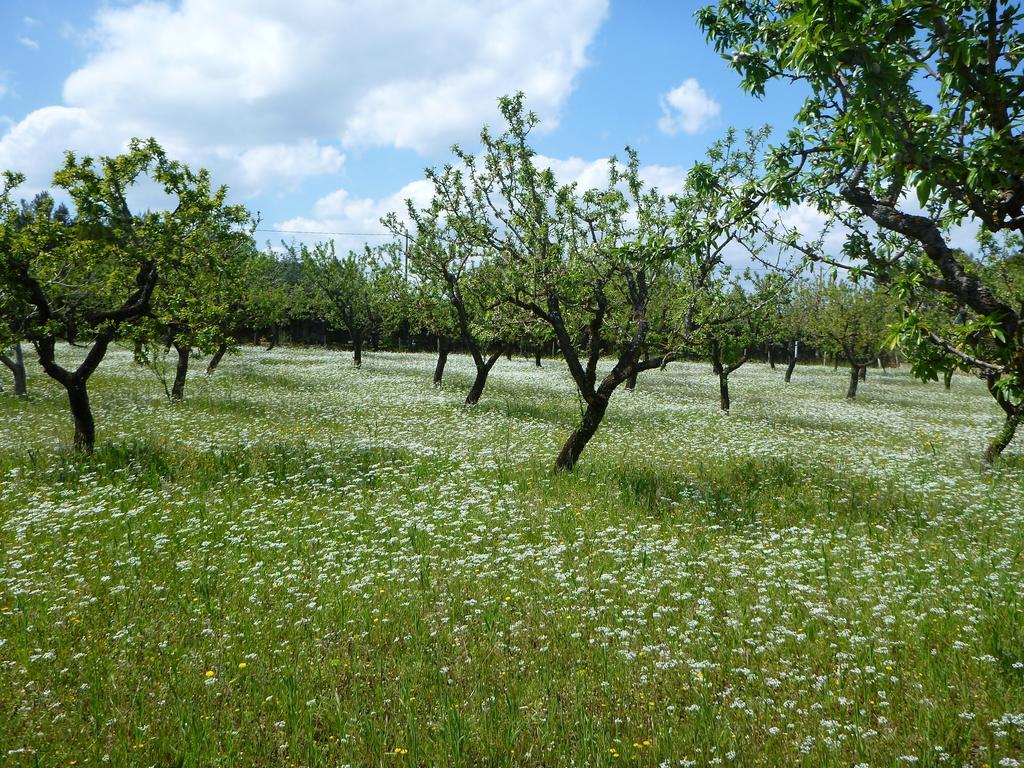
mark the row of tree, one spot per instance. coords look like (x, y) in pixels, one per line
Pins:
(909, 101)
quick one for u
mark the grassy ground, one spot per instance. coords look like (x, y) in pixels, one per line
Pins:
(311, 565)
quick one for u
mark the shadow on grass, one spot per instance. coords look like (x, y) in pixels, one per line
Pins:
(152, 465)
(746, 493)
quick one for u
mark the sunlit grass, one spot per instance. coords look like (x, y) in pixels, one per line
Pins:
(308, 564)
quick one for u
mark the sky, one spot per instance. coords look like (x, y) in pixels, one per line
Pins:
(322, 114)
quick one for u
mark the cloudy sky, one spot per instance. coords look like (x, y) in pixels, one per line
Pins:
(322, 114)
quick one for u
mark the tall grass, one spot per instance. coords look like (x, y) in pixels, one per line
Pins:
(310, 565)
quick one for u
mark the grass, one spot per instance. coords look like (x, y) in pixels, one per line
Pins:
(306, 564)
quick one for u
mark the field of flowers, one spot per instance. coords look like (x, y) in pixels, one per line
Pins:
(306, 564)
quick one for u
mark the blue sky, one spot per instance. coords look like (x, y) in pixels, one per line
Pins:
(322, 115)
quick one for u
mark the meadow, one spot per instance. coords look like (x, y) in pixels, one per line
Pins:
(308, 564)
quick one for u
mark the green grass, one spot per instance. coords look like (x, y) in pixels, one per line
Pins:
(306, 564)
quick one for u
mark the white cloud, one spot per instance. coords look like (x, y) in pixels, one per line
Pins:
(340, 212)
(587, 174)
(35, 146)
(263, 89)
(593, 174)
(284, 165)
(28, 42)
(687, 108)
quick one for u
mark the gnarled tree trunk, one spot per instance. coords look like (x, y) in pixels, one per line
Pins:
(81, 412)
(1005, 435)
(723, 390)
(855, 370)
(792, 361)
(483, 369)
(181, 371)
(17, 368)
(1014, 414)
(578, 440)
(536, 356)
(442, 359)
(217, 357)
(357, 348)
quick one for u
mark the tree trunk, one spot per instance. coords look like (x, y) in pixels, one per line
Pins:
(792, 361)
(854, 380)
(81, 411)
(864, 372)
(217, 357)
(723, 389)
(17, 367)
(442, 359)
(631, 382)
(536, 357)
(482, 371)
(181, 371)
(578, 440)
(508, 354)
(771, 360)
(357, 349)
(275, 335)
(1004, 437)
(478, 385)
(947, 379)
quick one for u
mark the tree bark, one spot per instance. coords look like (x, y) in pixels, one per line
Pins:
(17, 368)
(578, 440)
(81, 412)
(723, 390)
(181, 371)
(482, 371)
(631, 382)
(947, 379)
(771, 360)
(1004, 437)
(357, 349)
(792, 361)
(851, 392)
(217, 357)
(864, 372)
(442, 359)
(536, 356)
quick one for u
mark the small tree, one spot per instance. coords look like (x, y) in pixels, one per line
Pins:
(87, 280)
(197, 301)
(430, 311)
(734, 325)
(848, 320)
(450, 264)
(352, 292)
(577, 262)
(14, 310)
